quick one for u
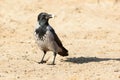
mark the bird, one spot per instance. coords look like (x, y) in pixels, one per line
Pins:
(47, 39)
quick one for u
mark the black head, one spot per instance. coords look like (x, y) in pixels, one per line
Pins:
(43, 18)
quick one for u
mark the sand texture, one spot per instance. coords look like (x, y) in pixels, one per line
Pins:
(89, 29)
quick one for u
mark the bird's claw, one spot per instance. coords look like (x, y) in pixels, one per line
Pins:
(41, 62)
(51, 64)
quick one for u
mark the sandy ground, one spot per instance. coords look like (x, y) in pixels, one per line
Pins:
(89, 29)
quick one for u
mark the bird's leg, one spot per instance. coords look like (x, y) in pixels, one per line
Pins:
(42, 60)
(53, 63)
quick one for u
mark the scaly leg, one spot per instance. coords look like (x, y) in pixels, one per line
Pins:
(42, 60)
(53, 63)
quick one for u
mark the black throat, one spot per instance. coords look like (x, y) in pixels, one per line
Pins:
(41, 31)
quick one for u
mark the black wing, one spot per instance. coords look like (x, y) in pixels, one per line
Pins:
(56, 38)
(64, 51)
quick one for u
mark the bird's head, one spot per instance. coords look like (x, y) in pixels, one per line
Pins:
(44, 17)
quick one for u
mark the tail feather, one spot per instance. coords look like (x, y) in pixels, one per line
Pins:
(64, 52)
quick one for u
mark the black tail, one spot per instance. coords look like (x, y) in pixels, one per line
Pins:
(64, 52)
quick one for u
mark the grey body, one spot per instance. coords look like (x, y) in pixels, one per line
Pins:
(47, 43)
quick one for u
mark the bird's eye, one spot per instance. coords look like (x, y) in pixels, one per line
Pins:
(44, 16)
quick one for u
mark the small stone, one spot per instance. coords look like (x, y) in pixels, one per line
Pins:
(18, 77)
(116, 70)
(119, 76)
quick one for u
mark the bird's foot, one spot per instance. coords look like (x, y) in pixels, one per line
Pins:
(41, 62)
(51, 64)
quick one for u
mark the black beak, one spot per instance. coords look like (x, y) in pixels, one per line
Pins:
(50, 16)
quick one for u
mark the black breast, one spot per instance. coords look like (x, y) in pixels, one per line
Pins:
(41, 32)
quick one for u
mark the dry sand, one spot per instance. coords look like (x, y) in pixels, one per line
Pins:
(89, 29)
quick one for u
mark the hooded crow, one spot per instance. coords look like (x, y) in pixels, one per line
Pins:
(47, 39)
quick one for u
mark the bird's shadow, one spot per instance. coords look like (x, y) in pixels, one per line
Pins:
(80, 60)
